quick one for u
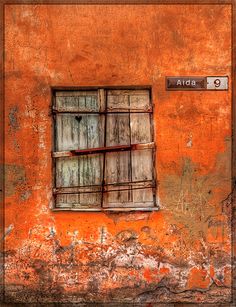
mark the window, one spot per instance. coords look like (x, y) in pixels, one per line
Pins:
(103, 150)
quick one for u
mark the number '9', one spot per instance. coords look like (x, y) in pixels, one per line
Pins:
(217, 82)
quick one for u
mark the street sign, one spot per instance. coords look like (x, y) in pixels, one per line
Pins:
(196, 83)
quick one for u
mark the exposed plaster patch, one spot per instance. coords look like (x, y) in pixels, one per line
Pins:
(15, 180)
(103, 234)
(52, 232)
(190, 141)
(41, 143)
(133, 216)
(144, 261)
(16, 145)
(25, 195)
(126, 236)
(14, 125)
(41, 70)
(8, 231)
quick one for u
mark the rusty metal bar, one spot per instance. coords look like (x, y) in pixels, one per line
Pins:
(116, 184)
(122, 209)
(122, 111)
(130, 154)
(108, 184)
(79, 152)
(104, 190)
(105, 142)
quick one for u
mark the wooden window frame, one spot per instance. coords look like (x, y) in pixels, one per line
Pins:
(69, 153)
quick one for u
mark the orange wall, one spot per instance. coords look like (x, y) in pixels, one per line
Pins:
(182, 252)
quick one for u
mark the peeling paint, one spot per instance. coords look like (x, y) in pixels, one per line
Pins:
(179, 254)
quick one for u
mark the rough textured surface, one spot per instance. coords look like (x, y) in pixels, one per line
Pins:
(181, 253)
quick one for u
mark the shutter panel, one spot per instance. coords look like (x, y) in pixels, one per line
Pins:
(129, 170)
(79, 131)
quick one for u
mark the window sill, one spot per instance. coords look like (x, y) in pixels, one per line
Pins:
(106, 209)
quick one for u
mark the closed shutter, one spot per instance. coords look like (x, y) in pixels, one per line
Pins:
(104, 150)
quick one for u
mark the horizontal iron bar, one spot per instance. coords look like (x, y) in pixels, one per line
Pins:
(89, 151)
(108, 184)
(103, 191)
(105, 209)
(103, 112)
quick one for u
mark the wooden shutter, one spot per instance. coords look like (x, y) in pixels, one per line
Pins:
(129, 176)
(78, 130)
(104, 178)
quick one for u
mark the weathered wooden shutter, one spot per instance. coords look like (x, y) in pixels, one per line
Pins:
(93, 120)
(77, 126)
(130, 174)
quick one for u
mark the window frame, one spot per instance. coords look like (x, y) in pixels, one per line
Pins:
(54, 90)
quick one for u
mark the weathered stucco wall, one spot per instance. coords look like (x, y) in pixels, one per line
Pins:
(182, 252)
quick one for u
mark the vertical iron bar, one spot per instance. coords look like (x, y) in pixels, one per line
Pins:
(130, 168)
(153, 150)
(78, 161)
(55, 147)
(104, 154)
